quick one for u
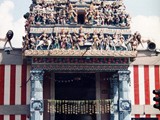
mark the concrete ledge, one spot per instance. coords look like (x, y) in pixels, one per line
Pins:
(144, 109)
(15, 57)
(24, 110)
(14, 109)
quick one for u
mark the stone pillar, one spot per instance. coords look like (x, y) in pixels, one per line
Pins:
(36, 102)
(114, 92)
(98, 93)
(124, 102)
(52, 115)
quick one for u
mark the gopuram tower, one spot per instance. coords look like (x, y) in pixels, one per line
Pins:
(79, 36)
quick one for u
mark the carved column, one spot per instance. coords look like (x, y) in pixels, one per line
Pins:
(124, 102)
(36, 102)
(114, 95)
(98, 93)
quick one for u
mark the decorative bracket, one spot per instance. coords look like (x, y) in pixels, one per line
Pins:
(124, 105)
(36, 105)
(124, 76)
(37, 75)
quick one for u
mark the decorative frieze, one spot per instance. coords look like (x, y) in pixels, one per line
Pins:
(81, 61)
(80, 53)
(53, 29)
(86, 68)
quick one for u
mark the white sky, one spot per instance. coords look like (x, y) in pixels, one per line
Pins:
(145, 18)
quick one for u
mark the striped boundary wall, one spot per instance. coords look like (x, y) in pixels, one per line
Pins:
(144, 79)
(15, 90)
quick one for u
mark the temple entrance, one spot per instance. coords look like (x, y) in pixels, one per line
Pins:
(77, 87)
(77, 96)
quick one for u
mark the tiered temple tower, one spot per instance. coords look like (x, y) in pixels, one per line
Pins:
(80, 36)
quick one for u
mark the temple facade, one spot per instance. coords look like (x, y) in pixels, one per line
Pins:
(79, 61)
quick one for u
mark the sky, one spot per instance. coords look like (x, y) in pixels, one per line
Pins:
(145, 19)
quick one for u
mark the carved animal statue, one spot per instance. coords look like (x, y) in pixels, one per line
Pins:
(46, 41)
(7, 39)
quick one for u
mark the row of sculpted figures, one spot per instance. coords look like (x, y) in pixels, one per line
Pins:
(64, 39)
(112, 14)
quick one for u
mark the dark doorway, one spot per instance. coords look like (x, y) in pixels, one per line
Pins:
(75, 86)
(81, 18)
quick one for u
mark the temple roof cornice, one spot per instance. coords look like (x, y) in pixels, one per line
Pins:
(79, 53)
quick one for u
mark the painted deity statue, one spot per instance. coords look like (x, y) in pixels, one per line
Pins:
(89, 17)
(72, 15)
(81, 38)
(95, 40)
(63, 39)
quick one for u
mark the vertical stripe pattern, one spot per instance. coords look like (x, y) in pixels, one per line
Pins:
(13, 88)
(144, 79)
(18, 90)
(2, 69)
(23, 88)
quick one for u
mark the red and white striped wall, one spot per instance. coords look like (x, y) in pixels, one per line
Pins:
(144, 79)
(13, 88)
(15, 91)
